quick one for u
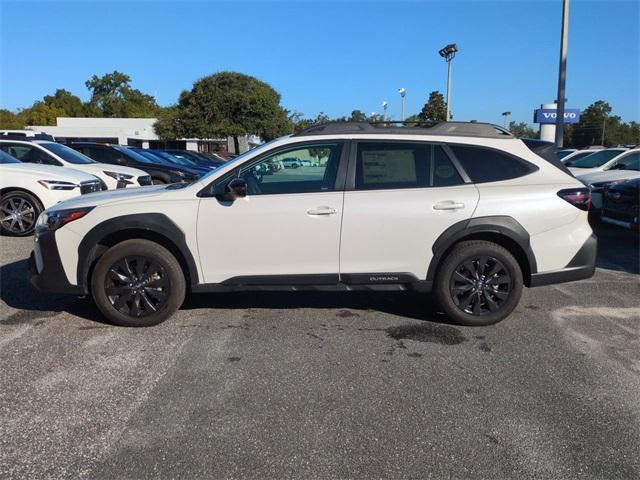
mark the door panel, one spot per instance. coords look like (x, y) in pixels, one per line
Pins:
(291, 234)
(394, 230)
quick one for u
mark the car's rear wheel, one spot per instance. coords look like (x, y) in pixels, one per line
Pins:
(138, 283)
(478, 283)
(18, 213)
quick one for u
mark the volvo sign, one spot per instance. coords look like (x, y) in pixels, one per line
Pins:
(548, 115)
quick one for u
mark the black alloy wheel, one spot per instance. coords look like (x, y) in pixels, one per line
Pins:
(137, 286)
(480, 285)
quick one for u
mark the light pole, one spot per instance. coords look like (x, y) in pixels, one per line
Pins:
(562, 74)
(384, 109)
(506, 118)
(448, 53)
(402, 92)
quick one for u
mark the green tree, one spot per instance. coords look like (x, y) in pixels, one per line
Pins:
(588, 131)
(229, 104)
(112, 96)
(67, 102)
(358, 116)
(10, 120)
(435, 110)
(522, 130)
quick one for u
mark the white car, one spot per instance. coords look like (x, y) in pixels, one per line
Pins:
(626, 167)
(26, 190)
(465, 210)
(50, 153)
(599, 161)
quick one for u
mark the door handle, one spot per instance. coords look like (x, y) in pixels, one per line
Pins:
(322, 211)
(448, 205)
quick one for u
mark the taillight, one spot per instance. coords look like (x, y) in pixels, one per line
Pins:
(578, 197)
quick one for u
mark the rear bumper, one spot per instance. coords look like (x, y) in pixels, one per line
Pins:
(47, 273)
(581, 266)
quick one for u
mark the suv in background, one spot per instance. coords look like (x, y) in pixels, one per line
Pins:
(465, 210)
(160, 173)
(27, 134)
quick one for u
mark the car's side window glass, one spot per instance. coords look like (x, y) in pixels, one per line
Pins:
(485, 165)
(29, 154)
(381, 165)
(444, 173)
(301, 169)
(629, 162)
(102, 155)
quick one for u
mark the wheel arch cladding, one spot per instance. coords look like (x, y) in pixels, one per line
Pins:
(155, 227)
(503, 230)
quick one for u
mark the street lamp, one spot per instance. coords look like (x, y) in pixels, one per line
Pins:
(402, 92)
(448, 53)
(506, 118)
(562, 74)
(384, 108)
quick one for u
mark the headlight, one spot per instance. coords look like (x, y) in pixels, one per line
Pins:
(57, 185)
(51, 221)
(118, 176)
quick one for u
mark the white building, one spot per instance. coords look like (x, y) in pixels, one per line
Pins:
(136, 132)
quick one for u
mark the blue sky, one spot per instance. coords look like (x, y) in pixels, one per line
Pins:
(331, 56)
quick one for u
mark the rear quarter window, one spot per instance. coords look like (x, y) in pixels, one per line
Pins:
(484, 165)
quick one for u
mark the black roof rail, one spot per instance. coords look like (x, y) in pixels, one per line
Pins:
(466, 129)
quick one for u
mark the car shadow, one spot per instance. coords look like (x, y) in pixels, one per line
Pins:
(618, 249)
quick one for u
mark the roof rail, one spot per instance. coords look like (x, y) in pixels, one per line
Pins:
(467, 129)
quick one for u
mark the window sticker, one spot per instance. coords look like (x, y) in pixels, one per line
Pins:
(388, 166)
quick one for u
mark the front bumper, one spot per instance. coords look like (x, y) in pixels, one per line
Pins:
(45, 267)
(581, 266)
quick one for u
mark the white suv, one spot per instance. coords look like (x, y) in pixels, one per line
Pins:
(463, 209)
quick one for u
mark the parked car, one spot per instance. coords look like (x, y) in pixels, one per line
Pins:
(28, 134)
(575, 156)
(598, 161)
(291, 163)
(620, 205)
(157, 173)
(196, 158)
(27, 189)
(51, 153)
(165, 158)
(627, 166)
(465, 210)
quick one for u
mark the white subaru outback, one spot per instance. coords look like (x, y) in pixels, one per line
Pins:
(461, 209)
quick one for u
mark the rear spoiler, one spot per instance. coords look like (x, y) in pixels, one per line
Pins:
(546, 150)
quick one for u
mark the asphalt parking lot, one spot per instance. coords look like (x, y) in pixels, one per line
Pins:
(325, 385)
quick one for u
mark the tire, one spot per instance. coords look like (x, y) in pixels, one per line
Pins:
(475, 295)
(158, 181)
(151, 300)
(18, 213)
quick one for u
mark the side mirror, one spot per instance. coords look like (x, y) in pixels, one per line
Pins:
(237, 187)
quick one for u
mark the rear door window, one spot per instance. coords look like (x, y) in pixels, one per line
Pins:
(484, 165)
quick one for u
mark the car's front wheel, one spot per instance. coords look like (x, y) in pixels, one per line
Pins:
(18, 213)
(138, 283)
(478, 283)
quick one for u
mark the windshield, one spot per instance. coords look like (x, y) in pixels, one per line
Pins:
(6, 158)
(596, 159)
(133, 155)
(172, 158)
(563, 153)
(152, 157)
(67, 154)
(629, 162)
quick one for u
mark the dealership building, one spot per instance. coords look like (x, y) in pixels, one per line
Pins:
(136, 132)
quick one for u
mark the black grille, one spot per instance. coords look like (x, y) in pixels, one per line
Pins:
(90, 186)
(145, 180)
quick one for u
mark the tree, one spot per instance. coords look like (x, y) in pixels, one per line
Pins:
(435, 110)
(358, 116)
(42, 114)
(589, 129)
(112, 96)
(229, 104)
(10, 120)
(522, 130)
(67, 102)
